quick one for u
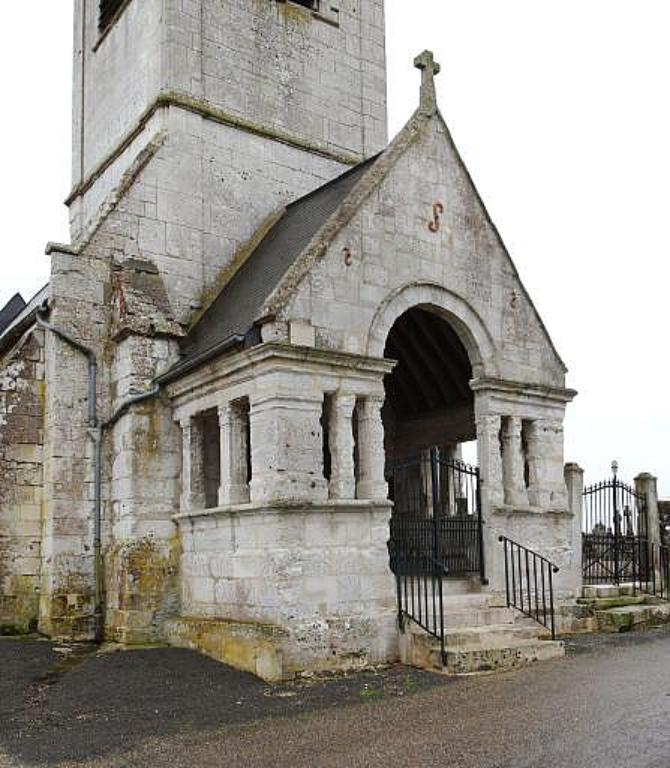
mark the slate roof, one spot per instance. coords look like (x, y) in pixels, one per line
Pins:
(11, 310)
(23, 320)
(231, 316)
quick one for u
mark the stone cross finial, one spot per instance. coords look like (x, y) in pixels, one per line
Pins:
(429, 68)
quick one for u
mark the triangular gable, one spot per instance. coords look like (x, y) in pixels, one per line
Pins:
(415, 128)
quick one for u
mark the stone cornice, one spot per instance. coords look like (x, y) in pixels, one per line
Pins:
(204, 109)
(511, 511)
(285, 507)
(276, 355)
(523, 389)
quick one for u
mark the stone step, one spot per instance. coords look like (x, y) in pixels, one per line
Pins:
(479, 617)
(608, 591)
(469, 585)
(464, 660)
(491, 636)
(605, 603)
(633, 617)
(485, 648)
(474, 601)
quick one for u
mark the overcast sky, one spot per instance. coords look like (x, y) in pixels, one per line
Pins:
(560, 109)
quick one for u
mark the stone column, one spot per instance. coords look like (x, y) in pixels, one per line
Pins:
(371, 457)
(513, 462)
(546, 488)
(192, 477)
(287, 448)
(341, 444)
(234, 488)
(646, 485)
(490, 460)
(186, 437)
(574, 481)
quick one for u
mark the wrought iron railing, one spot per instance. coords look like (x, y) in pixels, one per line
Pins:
(611, 559)
(437, 514)
(614, 527)
(421, 595)
(529, 583)
(653, 571)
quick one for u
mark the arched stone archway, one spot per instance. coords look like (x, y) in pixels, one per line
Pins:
(429, 402)
(456, 311)
(428, 414)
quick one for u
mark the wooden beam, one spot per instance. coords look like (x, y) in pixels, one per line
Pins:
(451, 425)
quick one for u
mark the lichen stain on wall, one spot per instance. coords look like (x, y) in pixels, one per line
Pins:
(21, 440)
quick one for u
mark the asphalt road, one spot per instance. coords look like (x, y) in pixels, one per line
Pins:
(607, 705)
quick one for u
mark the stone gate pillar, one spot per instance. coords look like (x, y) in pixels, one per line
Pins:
(647, 485)
(574, 481)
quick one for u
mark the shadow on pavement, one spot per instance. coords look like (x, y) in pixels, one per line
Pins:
(67, 704)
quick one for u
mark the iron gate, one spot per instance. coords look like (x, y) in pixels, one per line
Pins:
(437, 517)
(614, 533)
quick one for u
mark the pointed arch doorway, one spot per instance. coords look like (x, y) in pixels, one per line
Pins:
(429, 417)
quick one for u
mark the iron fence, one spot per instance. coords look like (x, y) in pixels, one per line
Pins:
(436, 516)
(614, 527)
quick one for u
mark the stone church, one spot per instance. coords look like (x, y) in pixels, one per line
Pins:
(265, 310)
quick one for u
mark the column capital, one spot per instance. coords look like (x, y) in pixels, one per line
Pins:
(344, 400)
(646, 477)
(511, 427)
(372, 402)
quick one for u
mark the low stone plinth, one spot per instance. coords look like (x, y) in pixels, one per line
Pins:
(247, 646)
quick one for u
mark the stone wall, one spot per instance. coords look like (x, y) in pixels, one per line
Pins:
(273, 69)
(203, 196)
(183, 190)
(278, 65)
(306, 558)
(21, 441)
(320, 574)
(80, 299)
(142, 549)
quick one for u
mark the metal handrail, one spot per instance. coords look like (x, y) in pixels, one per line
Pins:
(533, 595)
(421, 597)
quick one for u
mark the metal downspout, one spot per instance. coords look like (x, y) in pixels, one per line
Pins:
(96, 433)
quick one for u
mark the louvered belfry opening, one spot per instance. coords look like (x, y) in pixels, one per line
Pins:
(108, 10)
(428, 397)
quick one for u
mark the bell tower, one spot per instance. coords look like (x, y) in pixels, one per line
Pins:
(292, 89)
